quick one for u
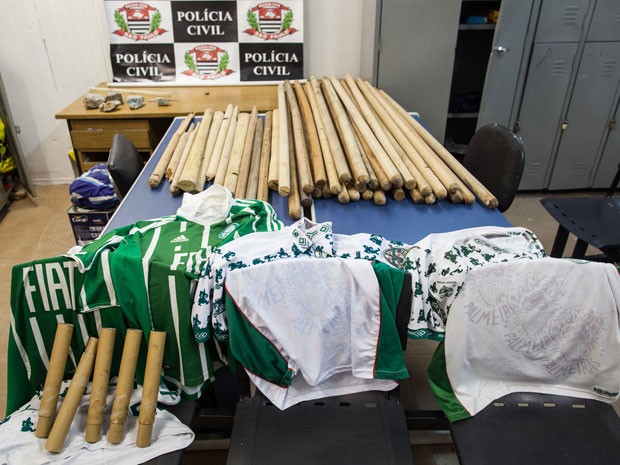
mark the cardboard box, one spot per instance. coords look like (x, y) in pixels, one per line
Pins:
(87, 225)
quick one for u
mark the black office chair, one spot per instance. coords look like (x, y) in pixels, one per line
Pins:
(363, 428)
(594, 220)
(124, 164)
(495, 157)
(539, 429)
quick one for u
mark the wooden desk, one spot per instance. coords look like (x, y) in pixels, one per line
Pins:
(92, 130)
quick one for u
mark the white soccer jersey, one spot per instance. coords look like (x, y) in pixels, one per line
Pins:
(308, 328)
(302, 239)
(20, 446)
(440, 264)
(548, 326)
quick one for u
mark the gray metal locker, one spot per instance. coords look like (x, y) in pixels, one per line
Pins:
(561, 20)
(605, 24)
(589, 110)
(547, 81)
(610, 158)
(500, 84)
(416, 56)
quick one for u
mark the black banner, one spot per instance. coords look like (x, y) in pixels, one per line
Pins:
(204, 21)
(271, 62)
(143, 62)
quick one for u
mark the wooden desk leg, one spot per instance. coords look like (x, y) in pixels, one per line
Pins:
(559, 242)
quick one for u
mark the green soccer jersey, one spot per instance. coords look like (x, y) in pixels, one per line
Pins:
(142, 276)
(43, 294)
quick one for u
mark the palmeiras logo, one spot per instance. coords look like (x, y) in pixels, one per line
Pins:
(396, 256)
(270, 21)
(207, 62)
(138, 21)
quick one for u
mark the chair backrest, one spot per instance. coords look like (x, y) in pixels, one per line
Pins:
(124, 164)
(614, 184)
(495, 157)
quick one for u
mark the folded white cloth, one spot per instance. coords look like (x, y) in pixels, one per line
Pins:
(206, 207)
(548, 325)
(19, 446)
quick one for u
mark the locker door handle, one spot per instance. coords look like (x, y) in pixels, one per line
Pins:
(500, 49)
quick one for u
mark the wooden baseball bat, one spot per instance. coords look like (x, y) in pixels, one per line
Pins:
(189, 179)
(294, 198)
(416, 196)
(378, 197)
(274, 161)
(376, 173)
(314, 144)
(347, 135)
(227, 148)
(468, 197)
(246, 157)
(70, 404)
(456, 197)
(317, 193)
(430, 199)
(101, 378)
(469, 179)
(53, 379)
(124, 385)
(374, 144)
(306, 199)
(265, 155)
(251, 189)
(150, 389)
(327, 192)
(162, 164)
(420, 182)
(412, 159)
(236, 153)
(304, 173)
(340, 160)
(216, 124)
(354, 194)
(398, 194)
(219, 143)
(377, 129)
(419, 161)
(440, 169)
(176, 156)
(328, 160)
(367, 194)
(284, 169)
(343, 195)
(174, 185)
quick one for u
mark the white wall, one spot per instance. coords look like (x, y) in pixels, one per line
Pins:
(51, 51)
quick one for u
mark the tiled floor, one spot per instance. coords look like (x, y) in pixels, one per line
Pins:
(40, 228)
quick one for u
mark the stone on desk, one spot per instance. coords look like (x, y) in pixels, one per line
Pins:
(162, 101)
(109, 106)
(92, 101)
(114, 96)
(135, 101)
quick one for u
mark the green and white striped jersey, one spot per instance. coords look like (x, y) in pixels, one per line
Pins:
(142, 276)
(44, 293)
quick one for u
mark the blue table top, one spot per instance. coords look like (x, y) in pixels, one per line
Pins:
(400, 221)
(404, 221)
(143, 202)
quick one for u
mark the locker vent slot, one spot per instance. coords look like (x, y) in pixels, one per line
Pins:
(571, 12)
(580, 169)
(608, 68)
(534, 170)
(558, 68)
